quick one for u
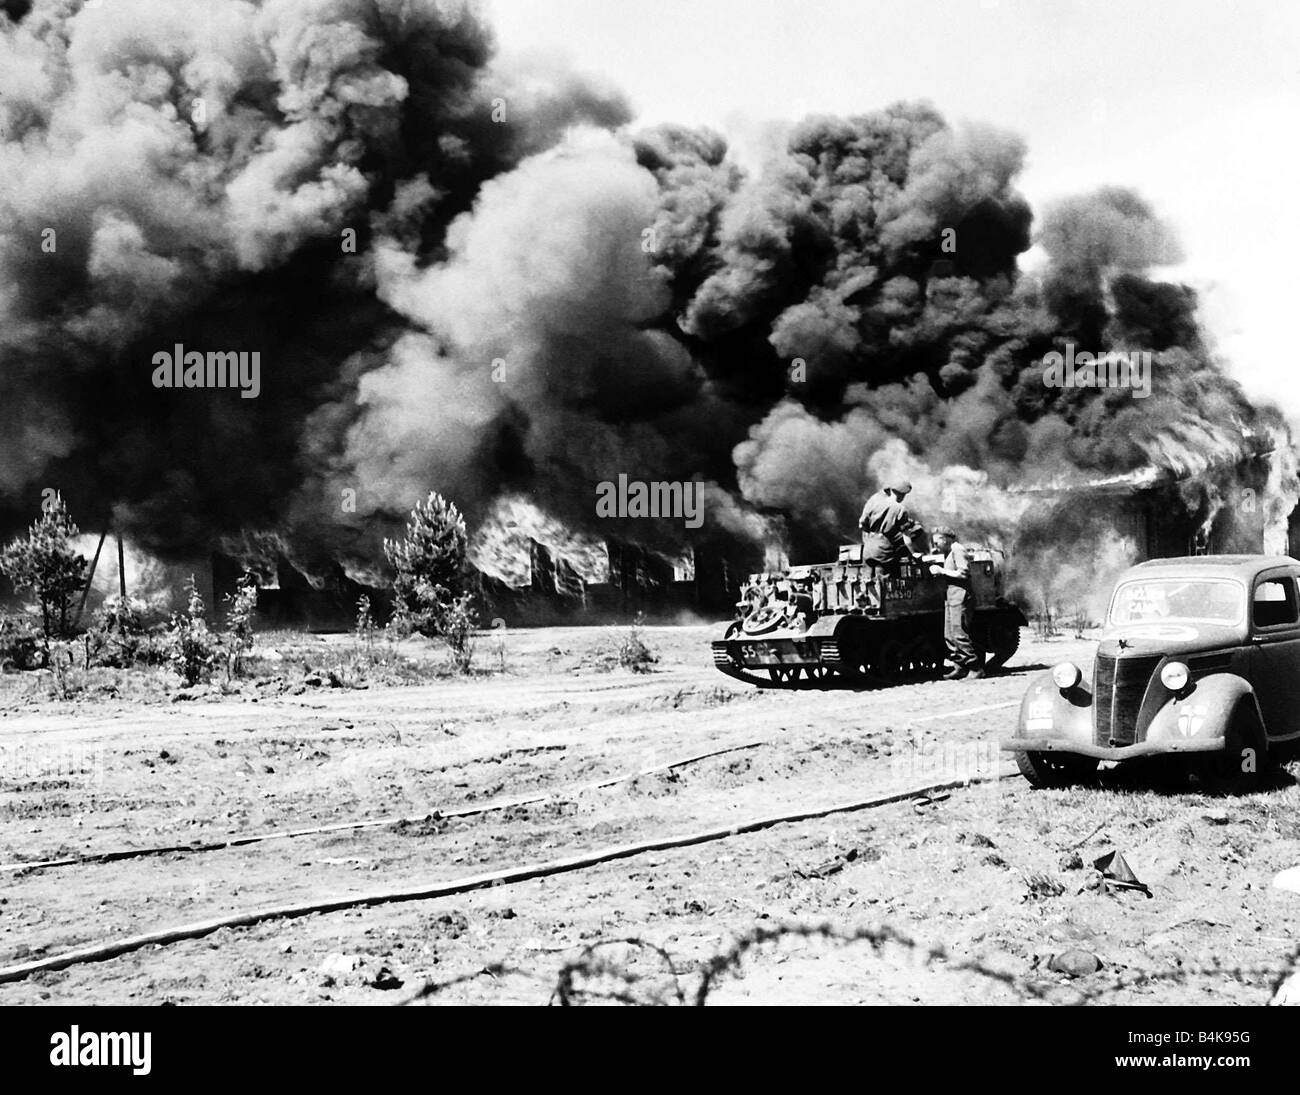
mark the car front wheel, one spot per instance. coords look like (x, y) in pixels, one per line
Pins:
(1244, 763)
(1054, 769)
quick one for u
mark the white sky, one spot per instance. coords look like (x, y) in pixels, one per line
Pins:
(1195, 103)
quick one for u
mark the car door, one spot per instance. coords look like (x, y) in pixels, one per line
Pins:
(1275, 662)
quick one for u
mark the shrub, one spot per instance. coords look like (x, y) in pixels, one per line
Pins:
(633, 653)
(118, 634)
(400, 625)
(21, 645)
(193, 646)
(366, 628)
(45, 562)
(67, 679)
(239, 622)
(456, 625)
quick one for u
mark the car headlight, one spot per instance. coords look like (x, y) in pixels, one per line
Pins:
(1174, 676)
(1066, 675)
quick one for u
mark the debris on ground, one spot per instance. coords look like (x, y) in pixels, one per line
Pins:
(1116, 874)
(829, 867)
(1040, 884)
(340, 965)
(1075, 963)
(1288, 993)
(385, 979)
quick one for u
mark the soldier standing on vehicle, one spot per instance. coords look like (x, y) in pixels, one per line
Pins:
(959, 606)
(887, 528)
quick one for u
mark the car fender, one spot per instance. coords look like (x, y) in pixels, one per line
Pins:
(1048, 712)
(1204, 710)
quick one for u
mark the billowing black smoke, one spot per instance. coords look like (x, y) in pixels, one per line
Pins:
(193, 173)
(537, 298)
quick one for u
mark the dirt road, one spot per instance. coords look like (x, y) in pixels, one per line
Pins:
(994, 875)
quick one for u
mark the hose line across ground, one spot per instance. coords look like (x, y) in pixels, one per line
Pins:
(507, 877)
(563, 794)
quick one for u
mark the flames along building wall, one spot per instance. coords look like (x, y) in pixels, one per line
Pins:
(1169, 518)
(1160, 523)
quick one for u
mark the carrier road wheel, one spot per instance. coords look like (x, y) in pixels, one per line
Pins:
(1001, 641)
(929, 658)
(1054, 769)
(890, 663)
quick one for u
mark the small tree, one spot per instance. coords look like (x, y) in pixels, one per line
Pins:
(429, 576)
(365, 627)
(239, 622)
(46, 562)
(193, 646)
(429, 562)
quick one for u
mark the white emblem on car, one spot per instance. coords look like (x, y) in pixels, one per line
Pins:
(1039, 715)
(1160, 631)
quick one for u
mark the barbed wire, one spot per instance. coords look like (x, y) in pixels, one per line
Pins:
(593, 975)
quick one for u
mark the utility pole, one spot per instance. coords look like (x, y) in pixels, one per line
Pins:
(81, 607)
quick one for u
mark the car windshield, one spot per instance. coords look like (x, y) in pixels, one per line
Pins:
(1177, 599)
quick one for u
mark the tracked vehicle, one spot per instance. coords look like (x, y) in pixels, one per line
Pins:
(808, 625)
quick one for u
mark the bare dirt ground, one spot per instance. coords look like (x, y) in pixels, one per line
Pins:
(993, 876)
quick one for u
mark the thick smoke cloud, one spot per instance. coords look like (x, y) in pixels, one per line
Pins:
(540, 297)
(186, 173)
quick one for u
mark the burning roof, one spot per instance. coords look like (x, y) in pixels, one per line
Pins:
(476, 276)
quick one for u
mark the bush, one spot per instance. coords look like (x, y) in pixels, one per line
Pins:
(456, 625)
(633, 653)
(46, 563)
(193, 647)
(21, 643)
(239, 622)
(118, 634)
(365, 629)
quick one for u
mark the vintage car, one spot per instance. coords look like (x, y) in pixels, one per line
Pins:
(1199, 657)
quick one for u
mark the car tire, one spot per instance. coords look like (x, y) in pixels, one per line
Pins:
(1055, 769)
(1220, 773)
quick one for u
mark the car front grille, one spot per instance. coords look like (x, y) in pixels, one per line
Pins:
(1118, 687)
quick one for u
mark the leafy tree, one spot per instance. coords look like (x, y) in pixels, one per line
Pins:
(429, 576)
(46, 562)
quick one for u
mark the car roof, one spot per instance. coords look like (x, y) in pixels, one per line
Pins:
(1211, 566)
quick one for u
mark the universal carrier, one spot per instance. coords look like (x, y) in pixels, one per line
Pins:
(807, 624)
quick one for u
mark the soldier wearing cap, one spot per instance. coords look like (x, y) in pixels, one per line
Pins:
(959, 606)
(887, 528)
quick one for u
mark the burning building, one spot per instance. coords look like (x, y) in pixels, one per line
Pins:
(478, 276)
